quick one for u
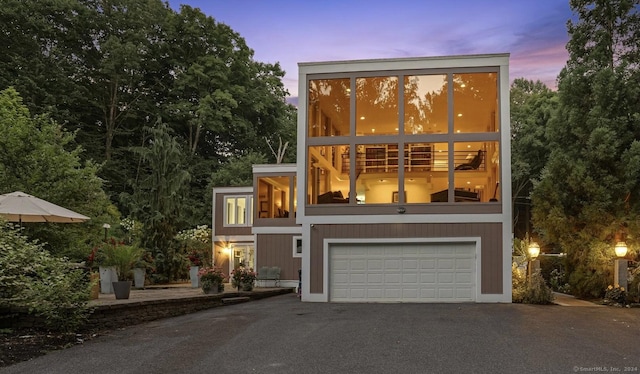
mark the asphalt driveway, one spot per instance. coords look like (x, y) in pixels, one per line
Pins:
(283, 335)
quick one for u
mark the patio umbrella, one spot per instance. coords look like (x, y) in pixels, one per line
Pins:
(21, 207)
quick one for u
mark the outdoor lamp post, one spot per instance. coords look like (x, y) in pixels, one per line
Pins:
(620, 265)
(534, 263)
(106, 228)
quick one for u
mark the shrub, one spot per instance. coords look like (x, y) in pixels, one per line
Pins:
(557, 281)
(537, 291)
(49, 287)
(529, 291)
(210, 277)
(615, 295)
(243, 277)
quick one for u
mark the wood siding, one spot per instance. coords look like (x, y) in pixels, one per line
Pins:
(219, 228)
(490, 234)
(277, 250)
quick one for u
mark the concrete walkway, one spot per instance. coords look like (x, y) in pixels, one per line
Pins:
(568, 300)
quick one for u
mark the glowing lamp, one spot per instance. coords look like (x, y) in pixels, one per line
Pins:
(534, 250)
(621, 249)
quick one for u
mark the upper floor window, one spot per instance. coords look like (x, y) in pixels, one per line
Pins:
(377, 106)
(329, 106)
(275, 199)
(237, 210)
(475, 103)
(414, 138)
(425, 104)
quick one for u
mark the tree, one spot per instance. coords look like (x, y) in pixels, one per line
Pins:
(106, 69)
(158, 197)
(532, 105)
(589, 193)
(34, 158)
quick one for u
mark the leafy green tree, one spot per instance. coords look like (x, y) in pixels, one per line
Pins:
(158, 197)
(38, 157)
(106, 69)
(237, 172)
(532, 105)
(589, 193)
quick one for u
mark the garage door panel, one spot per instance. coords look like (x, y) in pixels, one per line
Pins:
(410, 278)
(427, 264)
(402, 272)
(446, 278)
(464, 264)
(375, 264)
(410, 264)
(428, 278)
(393, 278)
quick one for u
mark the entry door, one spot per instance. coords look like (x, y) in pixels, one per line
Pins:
(244, 256)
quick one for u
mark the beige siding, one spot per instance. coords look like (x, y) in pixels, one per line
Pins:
(219, 228)
(491, 249)
(220, 257)
(277, 250)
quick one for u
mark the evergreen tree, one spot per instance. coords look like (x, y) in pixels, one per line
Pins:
(532, 105)
(589, 193)
(159, 196)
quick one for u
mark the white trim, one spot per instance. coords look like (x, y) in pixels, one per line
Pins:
(276, 230)
(239, 190)
(248, 214)
(506, 193)
(306, 268)
(460, 61)
(273, 168)
(234, 238)
(224, 190)
(295, 253)
(406, 218)
(495, 298)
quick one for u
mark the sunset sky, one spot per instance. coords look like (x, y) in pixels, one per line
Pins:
(289, 32)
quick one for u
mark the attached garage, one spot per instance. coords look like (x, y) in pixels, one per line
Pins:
(403, 272)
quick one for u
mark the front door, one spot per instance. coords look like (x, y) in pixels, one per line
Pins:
(243, 255)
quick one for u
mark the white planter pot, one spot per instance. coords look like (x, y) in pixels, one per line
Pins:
(108, 275)
(138, 277)
(193, 275)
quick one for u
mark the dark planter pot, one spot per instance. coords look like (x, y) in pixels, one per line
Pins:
(122, 289)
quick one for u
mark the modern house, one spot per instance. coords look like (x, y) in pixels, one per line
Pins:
(397, 194)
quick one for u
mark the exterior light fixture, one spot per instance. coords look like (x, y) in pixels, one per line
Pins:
(621, 249)
(534, 250)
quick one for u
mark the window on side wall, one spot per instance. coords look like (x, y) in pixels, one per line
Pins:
(237, 211)
(297, 246)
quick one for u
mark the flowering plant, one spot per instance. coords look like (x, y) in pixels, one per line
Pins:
(211, 277)
(243, 277)
(195, 258)
(615, 295)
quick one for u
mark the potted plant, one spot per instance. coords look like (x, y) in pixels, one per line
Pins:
(123, 258)
(140, 269)
(195, 261)
(103, 257)
(211, 279)
(243, 278)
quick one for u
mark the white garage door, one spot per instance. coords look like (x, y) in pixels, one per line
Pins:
(402, 272)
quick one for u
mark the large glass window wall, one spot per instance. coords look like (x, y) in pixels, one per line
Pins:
(415, 143)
